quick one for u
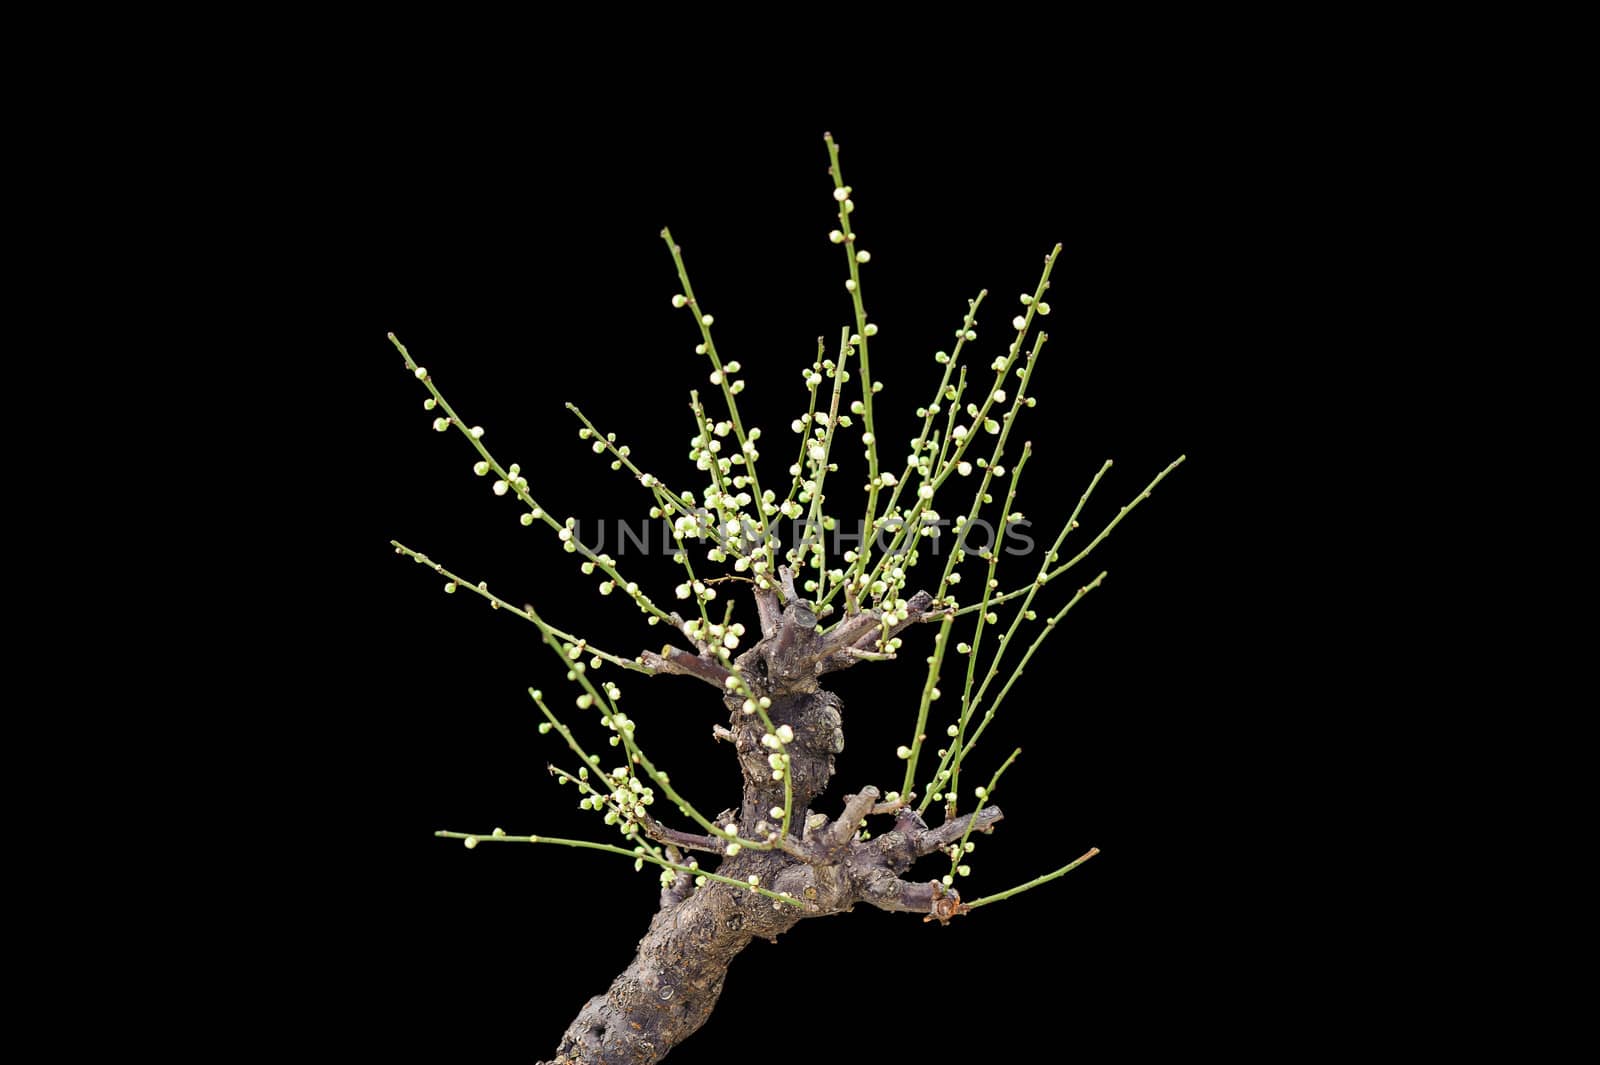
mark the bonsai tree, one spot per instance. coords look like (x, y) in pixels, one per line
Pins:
(801, 556)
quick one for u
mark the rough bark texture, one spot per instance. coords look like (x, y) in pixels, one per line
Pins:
(676, 977)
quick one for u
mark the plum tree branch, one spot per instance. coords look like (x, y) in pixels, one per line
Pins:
(778, 859)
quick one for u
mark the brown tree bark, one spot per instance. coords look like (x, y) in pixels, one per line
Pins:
(675, 979)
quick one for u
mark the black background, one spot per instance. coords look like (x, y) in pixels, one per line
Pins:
(523, 268)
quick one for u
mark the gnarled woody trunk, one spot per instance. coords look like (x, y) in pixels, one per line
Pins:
(676, 977)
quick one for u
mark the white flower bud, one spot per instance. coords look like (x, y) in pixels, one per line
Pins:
(902, 751)
(477, 432)
(441, 424)
(500, 488)
(836, 236)
(679, 300)
(863, 256)
(422, 373)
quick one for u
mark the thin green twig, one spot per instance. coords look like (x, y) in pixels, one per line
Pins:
(721, 375)
(820, 465)
(665, 496)
(972, 822)
(855, 256)
(1020, 888)
(497, 603)
(584, 844)
(864, 556)
(1016, 673)
(968, 708)
(1081, 555)
(511, 477)
(935, 475)
(989, 584)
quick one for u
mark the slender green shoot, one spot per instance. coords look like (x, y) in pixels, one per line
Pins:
(1081, 555)
(1016, 673)
(668, 501)
(472, 839)
(510, 479)
(855, 257)
(819, 459)
(497, 603)
(864, 556)
(985, 618)
(722, 375)
(962, 848)
(1020, 888)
